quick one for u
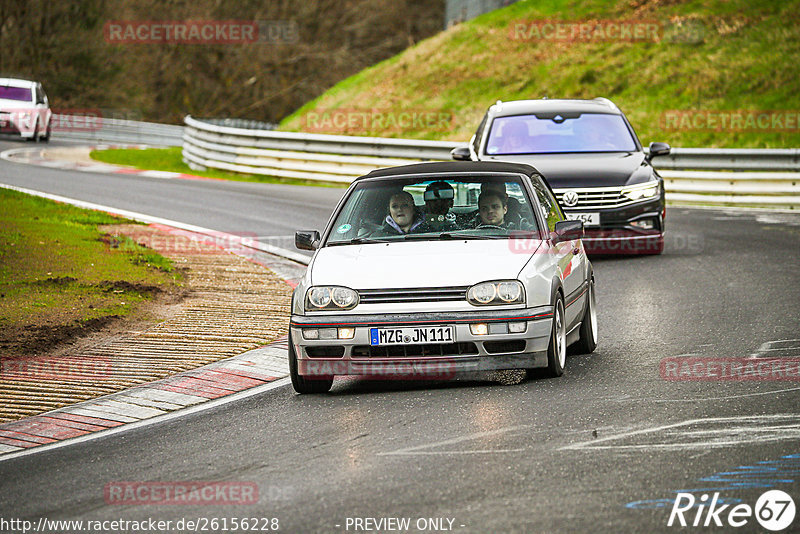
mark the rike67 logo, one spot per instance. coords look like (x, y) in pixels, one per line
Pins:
(774, 511)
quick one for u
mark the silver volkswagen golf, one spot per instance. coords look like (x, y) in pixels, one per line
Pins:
(429, 270)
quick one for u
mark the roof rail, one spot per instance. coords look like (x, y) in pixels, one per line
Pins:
(606, 101)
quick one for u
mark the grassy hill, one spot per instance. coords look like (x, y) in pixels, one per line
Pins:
(702, 61)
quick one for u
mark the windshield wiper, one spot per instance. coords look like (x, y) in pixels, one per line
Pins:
(451, 235)
(359, 241)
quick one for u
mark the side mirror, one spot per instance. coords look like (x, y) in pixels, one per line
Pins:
(306, 239)
(659, 149)
(568, 231)
(460, 153)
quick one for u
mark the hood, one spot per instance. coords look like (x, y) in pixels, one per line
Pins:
(588, 170)
(419, 264)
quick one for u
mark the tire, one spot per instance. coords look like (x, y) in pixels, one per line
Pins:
(588, 330)
(35, 137)
(557, 350)
(48, 132)
(321, 384)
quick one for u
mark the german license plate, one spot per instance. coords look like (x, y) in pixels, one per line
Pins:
(589, 219)
(416, 335)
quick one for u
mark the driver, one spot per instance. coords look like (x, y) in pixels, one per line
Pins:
(515, 138)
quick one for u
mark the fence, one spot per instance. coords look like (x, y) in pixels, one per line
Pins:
(111, 130)
(717, 177)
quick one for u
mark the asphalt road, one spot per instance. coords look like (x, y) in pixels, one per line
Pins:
(268, 211)
(605, 448)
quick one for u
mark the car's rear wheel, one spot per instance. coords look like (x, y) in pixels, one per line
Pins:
(557, 350)
(588, 330)
(318, 384)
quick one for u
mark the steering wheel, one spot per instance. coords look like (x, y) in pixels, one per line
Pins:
(491, 226)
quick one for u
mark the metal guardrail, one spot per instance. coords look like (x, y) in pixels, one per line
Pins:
(110, 130)
(718, 177)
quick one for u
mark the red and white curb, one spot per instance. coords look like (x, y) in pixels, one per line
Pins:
(39, 156)
(250, 373)
(220, 379)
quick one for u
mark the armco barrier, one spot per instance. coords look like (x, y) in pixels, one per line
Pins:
(717, 177)
(112, 130)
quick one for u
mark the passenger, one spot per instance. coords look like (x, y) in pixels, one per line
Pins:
(438, 198)
(403, 216)
(492, 208)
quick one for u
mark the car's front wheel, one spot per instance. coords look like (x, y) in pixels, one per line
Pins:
(588, 331)
(48, 132)
(318, 384)
(35, 137)
(557, 350)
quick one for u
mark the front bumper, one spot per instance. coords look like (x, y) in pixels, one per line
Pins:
(434, 361)
(620, 230)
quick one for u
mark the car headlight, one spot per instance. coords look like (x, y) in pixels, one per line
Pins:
(641, 191)
(331, 298)
(496, 293)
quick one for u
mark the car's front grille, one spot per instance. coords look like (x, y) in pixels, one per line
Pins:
(410, 351)
(596, 198)
(420, 294)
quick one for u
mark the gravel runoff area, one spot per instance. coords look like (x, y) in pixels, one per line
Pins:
(233, 304)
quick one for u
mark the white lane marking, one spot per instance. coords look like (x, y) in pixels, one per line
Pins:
(778, 345)
(152, 420)
(159, 174)
(698, 399)
(423, 453)
(410, 451)
(731, 431)
(149, 219)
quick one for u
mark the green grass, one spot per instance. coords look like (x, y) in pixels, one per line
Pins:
(59, 272)
(719, 55)
(170, 159)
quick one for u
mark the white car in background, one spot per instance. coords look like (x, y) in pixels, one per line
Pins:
(24, 109)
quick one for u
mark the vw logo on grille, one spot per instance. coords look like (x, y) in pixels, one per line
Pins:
(570, 198)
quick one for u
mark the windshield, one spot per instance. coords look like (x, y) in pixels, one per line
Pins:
(22, 94)
(553, 132)
(427, 209)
